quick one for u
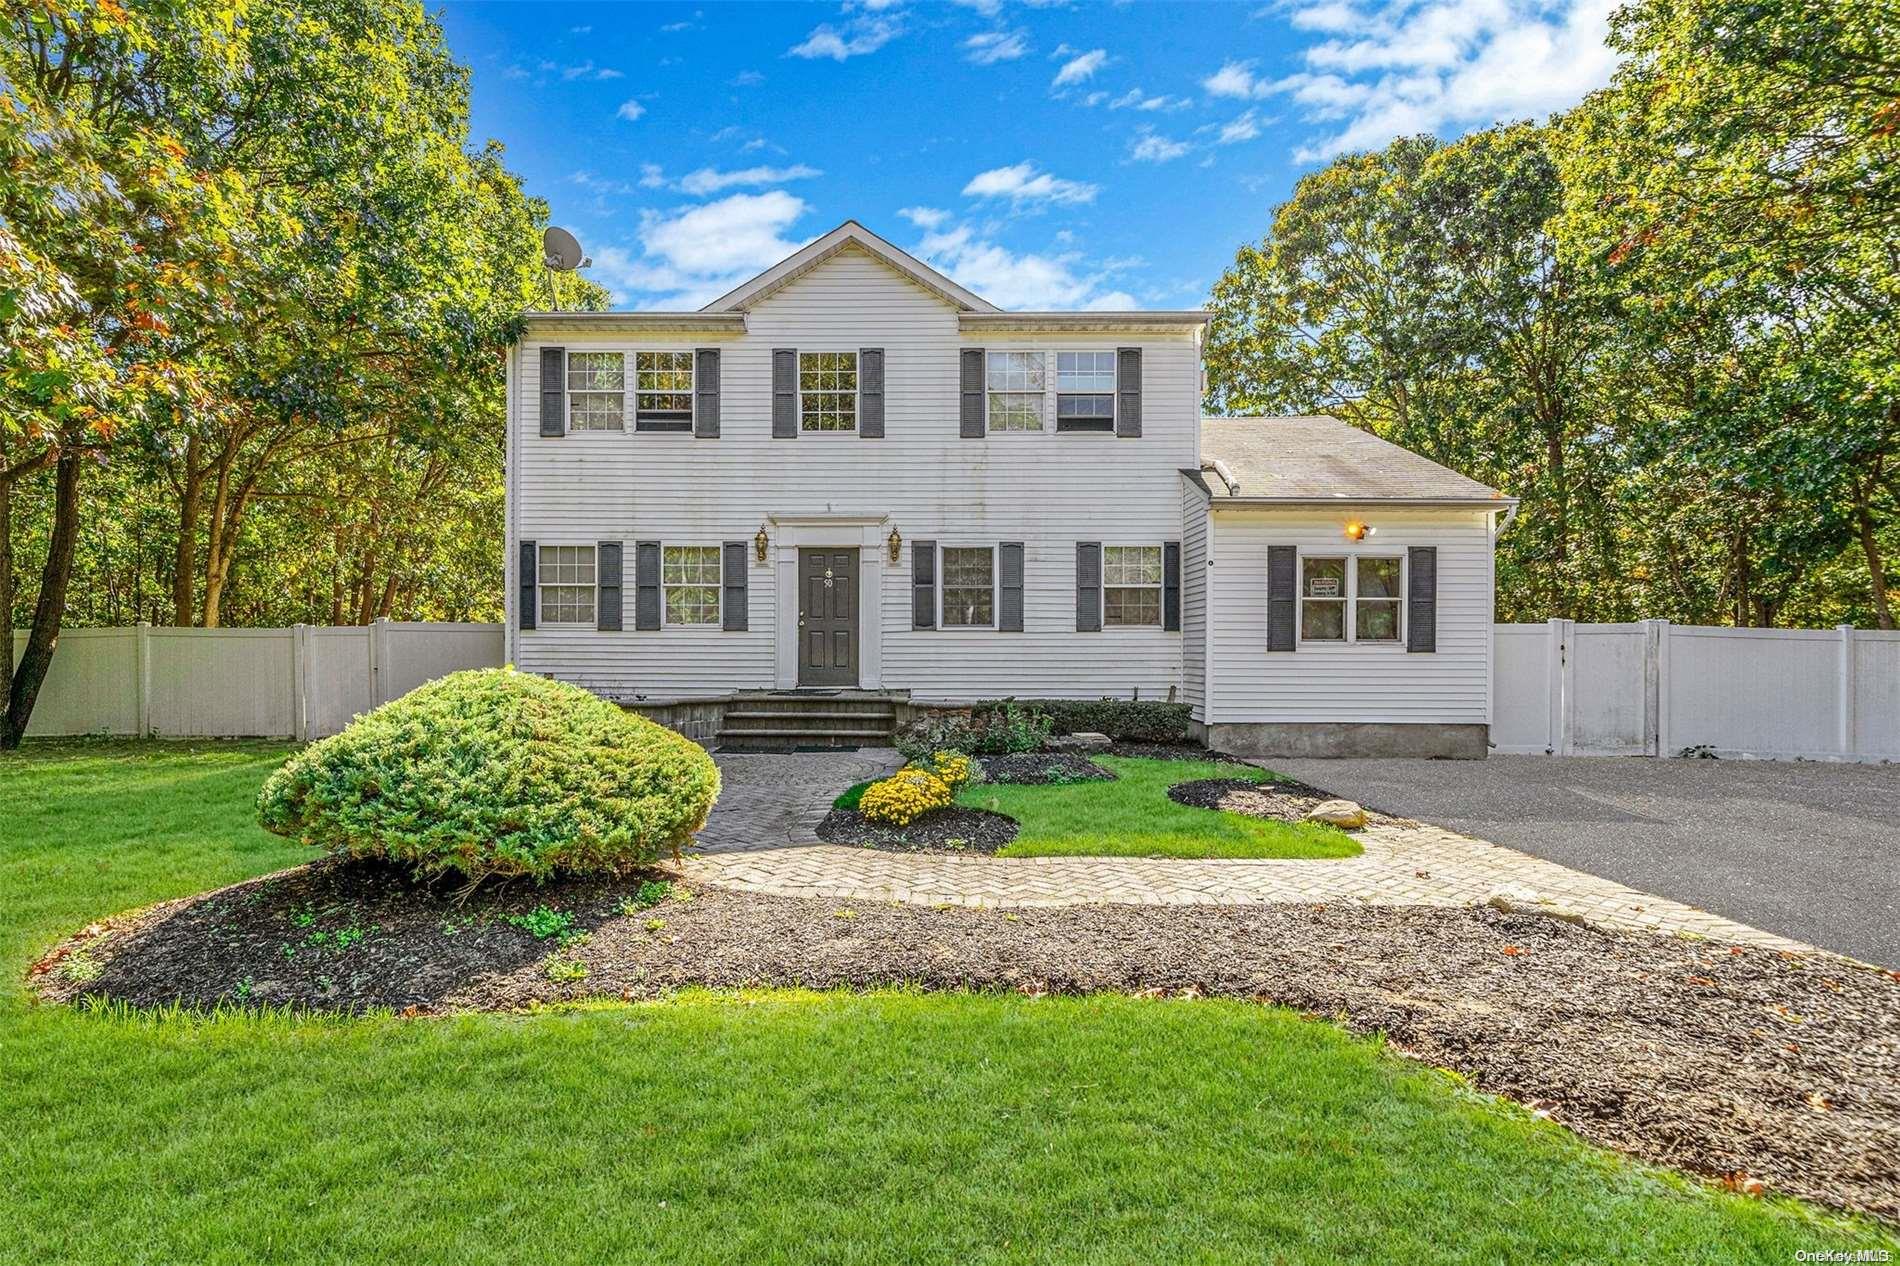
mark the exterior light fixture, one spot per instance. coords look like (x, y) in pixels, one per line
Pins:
(1358, 531)
(759, 542)
(895, 542)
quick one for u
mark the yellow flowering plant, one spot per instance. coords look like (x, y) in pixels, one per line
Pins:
(950, 765)
(904, 797)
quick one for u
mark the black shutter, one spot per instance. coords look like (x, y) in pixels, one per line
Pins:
(784, 393)
(524, 606)
(1283, 566)
(871, 393)
(706, 393)
(1128, 392)
(554, 391)
(1171, 586)
(1421, 597)
(646, 585)
(1009, 566)
(923, 584)
(607, 577)
(970, 420)
(732, 607)
(1088, 586)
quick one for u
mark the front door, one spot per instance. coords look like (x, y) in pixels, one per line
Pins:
(827, 617)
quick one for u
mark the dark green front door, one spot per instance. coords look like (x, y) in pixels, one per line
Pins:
(827, 617)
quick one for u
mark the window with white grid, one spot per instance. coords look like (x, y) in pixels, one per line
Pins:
(565, 576)
(828, 391)
(1085, 391)
(689, 575)
(1015, 381)
(1356, 599)
(1131, 584)
(969, 587)
(663, 391)
(596, 391)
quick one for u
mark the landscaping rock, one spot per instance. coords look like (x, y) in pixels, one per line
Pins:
(1347, 815)
(1516, 900)
(1086, 741)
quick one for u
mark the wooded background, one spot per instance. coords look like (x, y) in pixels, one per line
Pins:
(256, 284)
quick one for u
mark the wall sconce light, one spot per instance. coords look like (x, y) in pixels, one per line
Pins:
(895, 543)
(759, 542)
(1357, 531)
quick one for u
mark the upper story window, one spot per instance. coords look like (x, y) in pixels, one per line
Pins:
(1085, 391)
(969, 587)
(663, 391)
(689, 575)
(1355, 599)
(597, 391)
(1016, 383)
(565, 576)
(1131, 585)
(828, 391)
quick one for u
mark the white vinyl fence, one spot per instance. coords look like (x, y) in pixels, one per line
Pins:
(1660, 689)
(302, 682)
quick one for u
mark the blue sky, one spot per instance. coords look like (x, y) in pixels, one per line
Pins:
(1046, 155)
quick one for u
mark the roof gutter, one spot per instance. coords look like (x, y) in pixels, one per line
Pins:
(639, 322)
(1058, 321)
(1428, 503)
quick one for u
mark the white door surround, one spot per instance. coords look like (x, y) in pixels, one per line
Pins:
(867, 534)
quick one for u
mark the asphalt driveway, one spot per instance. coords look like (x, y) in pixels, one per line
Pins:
(1806, 849)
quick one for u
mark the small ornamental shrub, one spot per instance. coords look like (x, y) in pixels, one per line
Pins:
(904, 797)
(496, 772)
(993, 730)
(1126, 720)
(953, 767)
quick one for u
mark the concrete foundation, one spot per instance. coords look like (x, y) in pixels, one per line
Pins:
(1335, 738)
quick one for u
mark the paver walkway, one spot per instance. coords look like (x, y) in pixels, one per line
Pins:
(761, 839)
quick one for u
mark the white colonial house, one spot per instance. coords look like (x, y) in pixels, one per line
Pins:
(851, 488)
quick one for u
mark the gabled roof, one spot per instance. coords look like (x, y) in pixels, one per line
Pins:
(1307, 460)
(845, 236)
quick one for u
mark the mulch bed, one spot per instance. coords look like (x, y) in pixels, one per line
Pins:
(1172, 751)
(1280, 801)
(951, 830)
(1719, 1060)
(1041, 768)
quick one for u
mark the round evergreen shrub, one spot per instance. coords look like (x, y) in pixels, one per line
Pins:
(496, 772)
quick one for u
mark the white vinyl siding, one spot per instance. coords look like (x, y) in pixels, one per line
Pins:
(921, 478)
(1344, 681)
(1194, 578)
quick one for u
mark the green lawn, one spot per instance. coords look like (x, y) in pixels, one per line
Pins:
(1133, 817)
(739, 1128)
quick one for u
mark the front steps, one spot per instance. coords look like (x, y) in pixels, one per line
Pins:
(804, 720)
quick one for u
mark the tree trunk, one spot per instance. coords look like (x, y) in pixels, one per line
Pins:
(184, 564)
(51, 605)
(1876, 567)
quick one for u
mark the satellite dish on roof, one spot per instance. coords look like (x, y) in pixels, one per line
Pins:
(562, 250)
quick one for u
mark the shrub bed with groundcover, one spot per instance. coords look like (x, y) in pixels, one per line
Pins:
(1126, 720)
(496, 772)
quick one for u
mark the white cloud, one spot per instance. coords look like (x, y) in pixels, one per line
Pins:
(689, 257)
(652, 176)
(863, 34)
(1029, 280)
(706, 180)
(1244, 128)
(1394, 67)
(747, 79)
(1135, 99)
(1151, 147)
(587, 70)
(1023, 183)
(1080, 67)
(986, 48)
(630, 110)
(924, 217)
(673, 27)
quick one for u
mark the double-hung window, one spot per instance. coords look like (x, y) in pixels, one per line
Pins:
(828, 391)
(689, 575)
(1131, 585)
(1351, 599)
(597, 391)
(1015, 382)
(565, 576)
(969, 587)
(662, 391)
(1085, 391)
